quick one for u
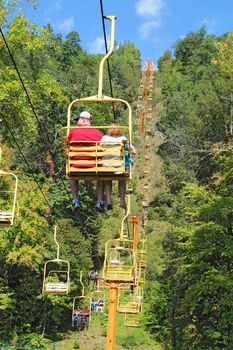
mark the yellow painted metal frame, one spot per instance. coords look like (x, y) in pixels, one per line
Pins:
(116, 272)
(142, 247)
(100, 297)
(130, 306)
(55, 288)
(142, 252)
(81, 297)
(99, 98)
(102, 172)
(124, 220)
(141, 275)
(61, 287)
(97, 152)
(7, 216)
(134, 303)
(132, 322)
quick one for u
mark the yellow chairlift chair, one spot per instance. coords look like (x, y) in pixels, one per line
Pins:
(99, 296)
(56, 274)
(128, 301)
(120, 259)
(120, 262)
(92, 154)
(142, 254)
(142, 248)
(81, 300)
(141, 275)
(132, 321)
(8, 194)
(142, 263)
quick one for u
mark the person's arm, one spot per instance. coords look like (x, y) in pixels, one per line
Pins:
(132, 149)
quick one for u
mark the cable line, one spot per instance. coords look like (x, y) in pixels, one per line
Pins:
(106, 49)
(25, 160)
(32, 107)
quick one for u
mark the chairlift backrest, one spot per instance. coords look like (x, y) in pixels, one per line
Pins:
(56, 281)
(8, 198)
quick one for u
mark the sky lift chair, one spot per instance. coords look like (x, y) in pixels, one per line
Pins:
(99, 296)
(8, 198)
(98, 168)
(125, 268)
(82, 300)
(142, 254)
(132, 321)
(141, 276)
(128, 301)
(142, 249)
(56, 281)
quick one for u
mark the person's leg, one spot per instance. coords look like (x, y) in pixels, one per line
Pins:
(74, 189)
(108, 191)
(79, 322)
(122, 190)
(93, 285)
(100, 194)
(100, 190)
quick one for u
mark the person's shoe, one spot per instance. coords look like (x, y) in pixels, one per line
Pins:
(99, 206)
(109, 206)
(122, 205)
(76, 204)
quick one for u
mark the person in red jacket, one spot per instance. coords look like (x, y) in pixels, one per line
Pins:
(88, 134)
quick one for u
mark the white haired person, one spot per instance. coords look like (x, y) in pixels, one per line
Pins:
(85, 134)
(114, 137)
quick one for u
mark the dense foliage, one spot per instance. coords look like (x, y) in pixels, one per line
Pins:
(192, 301)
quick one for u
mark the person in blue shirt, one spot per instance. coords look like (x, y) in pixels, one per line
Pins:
(94, 305)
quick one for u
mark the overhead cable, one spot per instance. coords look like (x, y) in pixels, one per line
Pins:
(31, 105)
(25, 160)
(106, 49)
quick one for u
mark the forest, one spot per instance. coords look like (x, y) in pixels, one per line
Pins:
(189, 288)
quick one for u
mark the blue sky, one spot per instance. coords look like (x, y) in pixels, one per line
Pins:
(152, 25)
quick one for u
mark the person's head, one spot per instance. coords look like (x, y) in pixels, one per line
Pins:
(84, 119)
(114, 131)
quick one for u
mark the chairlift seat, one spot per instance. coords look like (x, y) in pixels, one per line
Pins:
(129, 308)
(90, 162)
(56, 288)
(115, 262)
(120, 273)
(56, 281)
(6, 218)
(132, 323)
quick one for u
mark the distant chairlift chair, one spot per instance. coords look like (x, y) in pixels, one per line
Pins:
(56, 274)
